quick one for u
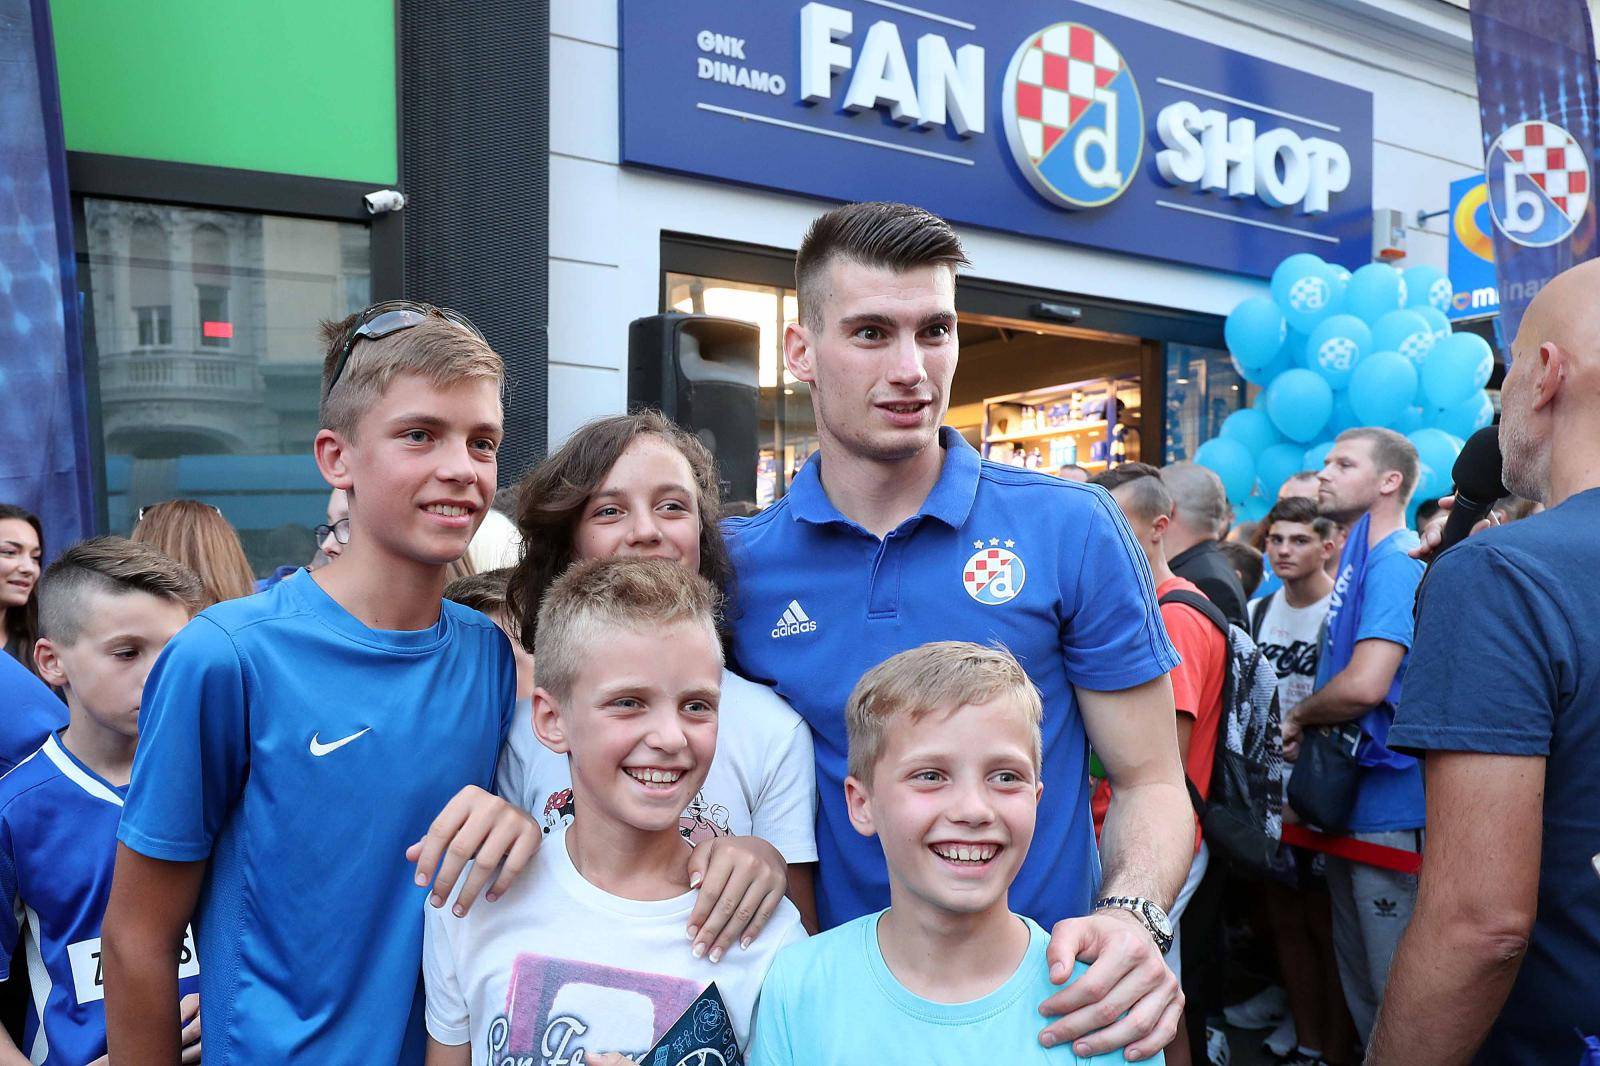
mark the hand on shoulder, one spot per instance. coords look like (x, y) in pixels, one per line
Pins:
(1126, 999)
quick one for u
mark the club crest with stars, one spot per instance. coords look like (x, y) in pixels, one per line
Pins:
(994, 574)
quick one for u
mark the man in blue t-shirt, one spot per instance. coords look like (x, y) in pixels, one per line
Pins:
(297, 745)
(897, 534)
(1365, 484)
(1503, 693)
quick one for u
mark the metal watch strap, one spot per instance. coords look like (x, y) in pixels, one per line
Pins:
(1136, 905)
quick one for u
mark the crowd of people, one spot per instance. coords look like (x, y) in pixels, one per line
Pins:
(527, 777)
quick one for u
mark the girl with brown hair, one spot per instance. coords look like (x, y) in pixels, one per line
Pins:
(639, 485)
(21, 552)
(197, 535)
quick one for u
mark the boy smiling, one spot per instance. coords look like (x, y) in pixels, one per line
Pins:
(586, 955)
(944, 770)
(298, 743)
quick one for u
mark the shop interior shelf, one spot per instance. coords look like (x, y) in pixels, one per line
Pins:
(1064, 429)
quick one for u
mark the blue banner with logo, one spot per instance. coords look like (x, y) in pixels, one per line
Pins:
(44, 439)
(1050, 119)
(1537, 99)
(1472, 275)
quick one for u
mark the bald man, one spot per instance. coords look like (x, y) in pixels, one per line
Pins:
(1501, 963)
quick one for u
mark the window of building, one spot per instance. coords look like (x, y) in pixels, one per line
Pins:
(1203, 389)
(223, 410)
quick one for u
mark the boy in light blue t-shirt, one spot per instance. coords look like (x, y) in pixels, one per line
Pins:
(944, 771)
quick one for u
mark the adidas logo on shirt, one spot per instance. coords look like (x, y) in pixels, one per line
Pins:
(794, 620)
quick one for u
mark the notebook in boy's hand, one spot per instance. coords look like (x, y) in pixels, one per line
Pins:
(702, 1036)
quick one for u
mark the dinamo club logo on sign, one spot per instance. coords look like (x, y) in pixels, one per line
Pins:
(1073, 117)
(1538, 179)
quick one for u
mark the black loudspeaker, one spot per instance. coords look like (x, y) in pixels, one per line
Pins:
(702, 373)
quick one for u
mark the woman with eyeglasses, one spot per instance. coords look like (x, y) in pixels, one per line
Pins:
(197, 535)
(333, 534)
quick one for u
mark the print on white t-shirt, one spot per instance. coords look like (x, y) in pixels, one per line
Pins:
(558, 970)
(762, 782)
(1290, 638)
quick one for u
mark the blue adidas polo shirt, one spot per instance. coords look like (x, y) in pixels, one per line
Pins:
(1047, 567)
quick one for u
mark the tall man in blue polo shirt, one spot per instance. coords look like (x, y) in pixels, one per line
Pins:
(896, 534)
(1365, 484)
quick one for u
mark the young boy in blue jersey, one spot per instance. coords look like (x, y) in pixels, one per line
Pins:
(298, 744)
(108, 607)
(585, 957)
(944, 756)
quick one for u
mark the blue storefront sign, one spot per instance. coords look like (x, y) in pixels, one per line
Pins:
(1472, 272)
(1049, 119)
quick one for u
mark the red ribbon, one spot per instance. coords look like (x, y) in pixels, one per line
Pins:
(1397, 859)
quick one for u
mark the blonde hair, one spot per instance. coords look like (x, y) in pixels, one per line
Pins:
(616, 593)
(435, 349)
(940, 676)
(196, 535)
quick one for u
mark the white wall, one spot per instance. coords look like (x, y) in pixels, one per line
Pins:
(1414, 56)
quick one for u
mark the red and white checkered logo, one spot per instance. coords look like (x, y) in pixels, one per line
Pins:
(1060, 70)
(993, 575)
(1073, 117)
(1551, 157)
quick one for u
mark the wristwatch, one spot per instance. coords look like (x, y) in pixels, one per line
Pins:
(1154, 918)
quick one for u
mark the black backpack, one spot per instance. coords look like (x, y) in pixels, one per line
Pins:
(1243, 816)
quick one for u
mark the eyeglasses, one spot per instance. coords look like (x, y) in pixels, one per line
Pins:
(147, 508)
(390, 317)
(340, 531)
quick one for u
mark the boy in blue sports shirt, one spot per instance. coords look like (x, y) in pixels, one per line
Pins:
(944, 756)
(108, 608)
(298, 743)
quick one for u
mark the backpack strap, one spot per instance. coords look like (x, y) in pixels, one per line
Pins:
(1258, 613)
(1199, 602)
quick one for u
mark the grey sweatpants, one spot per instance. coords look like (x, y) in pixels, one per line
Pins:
(1371, 909)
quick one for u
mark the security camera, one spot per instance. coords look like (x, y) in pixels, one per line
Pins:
(384, 200)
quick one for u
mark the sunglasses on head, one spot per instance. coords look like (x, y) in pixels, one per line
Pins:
(388, 318)
(147, 508)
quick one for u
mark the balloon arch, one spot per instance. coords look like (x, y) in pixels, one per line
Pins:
(1332, 350)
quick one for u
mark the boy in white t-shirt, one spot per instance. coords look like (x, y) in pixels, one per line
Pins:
(586, 955)
(1287, 623)
(944, 770)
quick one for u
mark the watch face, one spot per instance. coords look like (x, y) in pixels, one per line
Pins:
(1158, 920)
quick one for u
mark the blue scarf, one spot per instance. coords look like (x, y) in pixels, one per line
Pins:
(1344, 620)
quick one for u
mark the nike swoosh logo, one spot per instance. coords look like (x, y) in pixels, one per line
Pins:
(320, 749)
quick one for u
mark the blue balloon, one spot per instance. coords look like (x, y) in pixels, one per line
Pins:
(1457, 367)
(1406, 332)
(1428, 286)
(1437, 320)
(1276, 465)
(1410, 420)
(1305, 288)
(1300, 403)
(1374, 291)
(1254, 508)
(1232, 462)
(1265, 374)
(1254, 331)
(1253, 429)
(1382, 387)
(1344, 416)
(1334, 348)
(1294, 346)
(1465, 418)
(1437, 450)
(1317, 454)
